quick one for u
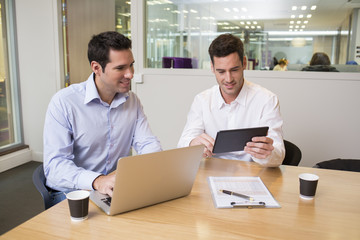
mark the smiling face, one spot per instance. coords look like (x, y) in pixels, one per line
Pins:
(117, 75)
(229, 73)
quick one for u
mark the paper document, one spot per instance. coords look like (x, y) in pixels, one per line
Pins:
(253, 187)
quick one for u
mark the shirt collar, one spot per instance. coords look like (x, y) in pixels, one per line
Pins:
(92, 93)
(240, 99)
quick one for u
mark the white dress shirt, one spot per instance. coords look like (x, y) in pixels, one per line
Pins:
(84, 136)
(255, 106)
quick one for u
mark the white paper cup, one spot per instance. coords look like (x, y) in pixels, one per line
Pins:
(78, 204)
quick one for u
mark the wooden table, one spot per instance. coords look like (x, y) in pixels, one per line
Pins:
(333, 214)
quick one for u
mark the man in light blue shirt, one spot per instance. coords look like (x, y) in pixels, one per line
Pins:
(90, 125)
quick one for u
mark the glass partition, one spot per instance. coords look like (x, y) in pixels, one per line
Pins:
(10, 125)
(179, 32)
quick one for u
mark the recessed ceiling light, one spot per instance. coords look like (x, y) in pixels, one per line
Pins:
(193, 11)
(247, 27)
(296, 26)
(244, 9)
(226, 10)
(292, 16)
(313, 7)
(258, 27)
(306, 21)
(298, 22)
(309, 16)
(255, 22)
(291, 26)
(248, 22)
(242, 23)
(301, 16)
(303, 26)
(303, 8)
(294, 8)
(291, 22)
(252, 27)
(235, 9)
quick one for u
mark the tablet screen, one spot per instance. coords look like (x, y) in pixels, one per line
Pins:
(236, 139)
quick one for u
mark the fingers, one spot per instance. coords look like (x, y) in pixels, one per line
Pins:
(105, 184)
(205, 140)
(260, 147)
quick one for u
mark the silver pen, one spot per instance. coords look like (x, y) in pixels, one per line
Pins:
(237, 194)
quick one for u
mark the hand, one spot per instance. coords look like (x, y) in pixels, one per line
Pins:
(105, 184)
(260, 147)
(205, 140)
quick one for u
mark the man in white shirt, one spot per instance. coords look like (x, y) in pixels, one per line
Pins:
(235, 103)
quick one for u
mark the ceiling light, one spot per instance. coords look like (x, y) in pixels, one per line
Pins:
(309, 16)
(303, 26)
(298, 22)
(303, 8)
(193, 11)
(226, 10)
(306, 21)
(258, 27)
(242, 23)
(294, 8)
(296, 26)
(290, 30)
(313, 7)
(244, 9)
(235, 9)
(248, 22)
(301, 16)
(291, 22)
(247, 27)
(292, 16)
(252, 27)
(255, 22)
(291, 26)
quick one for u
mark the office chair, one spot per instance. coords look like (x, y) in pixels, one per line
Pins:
(292, 154)
(39, 181)
(340, 164)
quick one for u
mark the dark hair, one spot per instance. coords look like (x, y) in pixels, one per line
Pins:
(320, 58)
(100, 45)
(224, 45)
(282, 61)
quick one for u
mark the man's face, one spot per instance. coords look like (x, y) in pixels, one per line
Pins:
(229, 73)
(118, 72)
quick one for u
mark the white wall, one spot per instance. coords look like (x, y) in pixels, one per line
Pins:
(320, 110)
(38, 47)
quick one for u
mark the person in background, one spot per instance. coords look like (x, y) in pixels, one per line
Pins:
(90, 125)
(235, 103)
(320, 62)
(281, 66)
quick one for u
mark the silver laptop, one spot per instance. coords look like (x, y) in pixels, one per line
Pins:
(148, 179)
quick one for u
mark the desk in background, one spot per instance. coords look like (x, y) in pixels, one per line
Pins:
(333, 214)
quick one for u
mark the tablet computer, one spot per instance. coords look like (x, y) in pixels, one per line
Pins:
(236, 139)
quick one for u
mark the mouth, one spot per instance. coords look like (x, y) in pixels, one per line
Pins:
(229, 85)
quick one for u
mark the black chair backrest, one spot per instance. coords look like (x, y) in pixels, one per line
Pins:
(39, 181)
(292, 154)
(340, 164)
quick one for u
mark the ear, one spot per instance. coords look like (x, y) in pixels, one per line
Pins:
(212, 67)
(96, 67)
(244, 62)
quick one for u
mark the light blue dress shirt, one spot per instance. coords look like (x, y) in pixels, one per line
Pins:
(84, 136)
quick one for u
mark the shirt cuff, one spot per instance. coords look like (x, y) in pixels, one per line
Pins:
(86, 179)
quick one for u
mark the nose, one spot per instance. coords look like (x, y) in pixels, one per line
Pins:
(228, 76)
(129, 74)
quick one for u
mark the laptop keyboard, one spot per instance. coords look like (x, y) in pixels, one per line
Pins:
(107, 200)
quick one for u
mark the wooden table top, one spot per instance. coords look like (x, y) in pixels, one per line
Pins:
(333, 214)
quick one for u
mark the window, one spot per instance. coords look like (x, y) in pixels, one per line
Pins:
(179, 30)
(10, 124)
